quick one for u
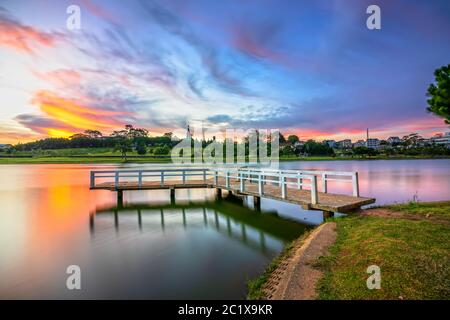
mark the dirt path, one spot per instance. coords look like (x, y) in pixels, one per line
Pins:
(296, 278)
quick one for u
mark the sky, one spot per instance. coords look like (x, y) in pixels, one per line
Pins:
(310, 68)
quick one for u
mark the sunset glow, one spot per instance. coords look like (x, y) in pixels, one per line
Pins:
(309, 68)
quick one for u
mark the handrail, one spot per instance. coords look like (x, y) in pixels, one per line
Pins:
(261, 176)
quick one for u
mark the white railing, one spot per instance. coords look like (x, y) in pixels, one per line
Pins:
(299, 179)
(141, 176)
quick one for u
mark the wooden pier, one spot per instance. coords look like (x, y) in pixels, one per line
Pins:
(294, 186)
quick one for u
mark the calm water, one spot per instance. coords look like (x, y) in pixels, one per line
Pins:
(198, 247)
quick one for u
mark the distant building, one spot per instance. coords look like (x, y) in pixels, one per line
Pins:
(394, 140)
(330, 143)
(373, 143)
(359, 143)
(344, 144)
(5, 146)
(299, 144)
(442, 139)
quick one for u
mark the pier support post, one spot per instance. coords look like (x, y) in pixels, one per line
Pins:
(120, 198)
(257, 203)
(172, 196)
(219, 193)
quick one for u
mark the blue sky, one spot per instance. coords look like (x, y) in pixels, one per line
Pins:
(305, 67)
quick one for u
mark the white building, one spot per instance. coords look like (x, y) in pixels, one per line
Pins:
(330, 143)
(373, 143)
(345, 144)
(392, 140)
(5, 146)
(359, 143)
(442, 139)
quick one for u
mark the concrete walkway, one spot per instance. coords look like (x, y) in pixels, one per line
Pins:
(296, 278)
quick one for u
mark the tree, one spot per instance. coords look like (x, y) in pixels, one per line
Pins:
(314, 148)
(93, 134)
(159, 151)
(123, 145)
(293, 139)
(412, 139)
(439, 94)
(141, 149)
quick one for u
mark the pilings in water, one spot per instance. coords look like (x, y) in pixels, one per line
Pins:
(172, 196)
(120, 198)
(257, 203)
(218, 193)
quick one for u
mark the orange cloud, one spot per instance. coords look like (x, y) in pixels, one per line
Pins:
(75, 115)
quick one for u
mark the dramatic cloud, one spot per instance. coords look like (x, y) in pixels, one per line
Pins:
(20, 37)
(311, 68)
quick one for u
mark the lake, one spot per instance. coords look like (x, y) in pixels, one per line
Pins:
(199, 247)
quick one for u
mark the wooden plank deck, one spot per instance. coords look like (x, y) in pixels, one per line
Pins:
(326, 201)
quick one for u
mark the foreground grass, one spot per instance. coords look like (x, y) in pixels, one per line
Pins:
(414, 257)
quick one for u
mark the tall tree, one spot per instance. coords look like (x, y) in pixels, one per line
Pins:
(293, 139)
(439, 94)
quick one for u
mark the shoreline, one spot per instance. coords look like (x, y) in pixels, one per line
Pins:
(156, 160)
(330, 262)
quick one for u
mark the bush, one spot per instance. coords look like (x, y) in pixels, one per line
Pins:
(160, 151)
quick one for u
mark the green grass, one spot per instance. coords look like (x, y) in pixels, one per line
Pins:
(441, 209)
(87, 159)
(79, 155)
(414, 258)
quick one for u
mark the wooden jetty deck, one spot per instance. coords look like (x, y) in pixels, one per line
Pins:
(297, 187)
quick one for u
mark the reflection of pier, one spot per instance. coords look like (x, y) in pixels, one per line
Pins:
(257, 230)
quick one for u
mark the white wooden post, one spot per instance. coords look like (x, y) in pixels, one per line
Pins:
(162, 178)
(299, 181)
(204, 175)
(184, 176)
(227, 179)
(283, 187)
(260, 185)
(116, 179)
(355, 184)
(242, 182)
(140, 179)
(314, 197)
(92, 179)
(324, 183)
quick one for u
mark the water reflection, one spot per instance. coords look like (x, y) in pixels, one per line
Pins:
(261, 231)
(150, 248)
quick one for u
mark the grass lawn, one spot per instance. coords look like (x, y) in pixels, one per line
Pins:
(80, 155)
(413, 255)
(441, 209)
(87, 159)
